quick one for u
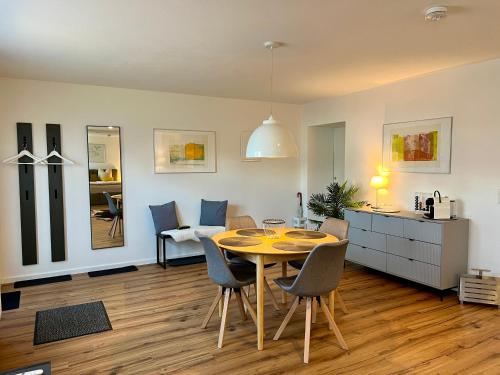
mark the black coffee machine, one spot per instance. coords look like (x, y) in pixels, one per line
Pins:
(429, 202)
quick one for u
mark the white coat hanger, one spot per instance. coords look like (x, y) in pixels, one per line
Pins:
(15, 159)
(54, 153)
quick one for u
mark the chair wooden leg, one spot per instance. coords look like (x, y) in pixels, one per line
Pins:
(244, 291)
(220, 304)
(227, 297)
(241, 306)
(307, 336)
(115, 226)
(340, 300)
(336, 330)
(314, 308)
(249, 307)
(287, 319)
(331, 306)
(271, 294)
(212, 308)
(112, 226)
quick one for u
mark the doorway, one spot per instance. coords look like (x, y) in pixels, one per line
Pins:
(326, 157)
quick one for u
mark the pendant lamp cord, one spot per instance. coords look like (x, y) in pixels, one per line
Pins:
(271, 81)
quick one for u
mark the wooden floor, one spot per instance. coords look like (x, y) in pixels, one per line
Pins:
(392, 328)
(100, 232)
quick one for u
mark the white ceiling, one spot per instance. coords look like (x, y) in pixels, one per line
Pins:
(214, 47)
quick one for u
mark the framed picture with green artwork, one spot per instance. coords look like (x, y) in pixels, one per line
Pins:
(422, 146)
(184, 151)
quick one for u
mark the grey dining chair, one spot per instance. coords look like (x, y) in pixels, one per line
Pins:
(320, 275)
(340, 229)
(247, 222)
(231, 279)
(117, 215)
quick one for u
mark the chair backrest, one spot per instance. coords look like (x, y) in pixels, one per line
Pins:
(111, 205)
(336, 227)
(218, 271)
(322, 270)
(241, 222)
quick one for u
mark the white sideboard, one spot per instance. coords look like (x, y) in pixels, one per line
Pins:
(430, 252)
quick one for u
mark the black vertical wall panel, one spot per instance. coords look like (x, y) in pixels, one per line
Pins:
(27, 196)
(57, 233)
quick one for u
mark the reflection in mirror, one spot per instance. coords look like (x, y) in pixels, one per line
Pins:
(105, 184)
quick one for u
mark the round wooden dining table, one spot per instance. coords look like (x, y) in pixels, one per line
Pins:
(255, 246)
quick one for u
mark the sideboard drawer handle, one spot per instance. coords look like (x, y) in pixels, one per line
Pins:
(421, 221)
(363, 247)
(411, 239)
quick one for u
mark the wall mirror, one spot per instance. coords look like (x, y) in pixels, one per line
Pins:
(105, 186)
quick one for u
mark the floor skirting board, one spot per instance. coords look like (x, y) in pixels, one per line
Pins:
(11, 279)
(72, 271)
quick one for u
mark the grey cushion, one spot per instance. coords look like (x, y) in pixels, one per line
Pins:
(213, 213)
(164, 217)
(226, 275)
(321, 272)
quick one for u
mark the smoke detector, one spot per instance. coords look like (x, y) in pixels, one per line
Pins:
(435, 12)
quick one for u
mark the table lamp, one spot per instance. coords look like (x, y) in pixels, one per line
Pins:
(378, 182)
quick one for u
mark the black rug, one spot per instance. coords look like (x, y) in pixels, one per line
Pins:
(10, 300)
(71, 321)
(21, 370)
(186, 261)
(113, 271)
(45, 280)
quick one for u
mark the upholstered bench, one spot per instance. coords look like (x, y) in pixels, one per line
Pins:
(212, 221)
(181, 235)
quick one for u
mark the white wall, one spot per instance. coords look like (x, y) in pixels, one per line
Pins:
(112, 144)
(339, 153)
(325, 156)
(471, 95)
(265, 189)
(320, 158)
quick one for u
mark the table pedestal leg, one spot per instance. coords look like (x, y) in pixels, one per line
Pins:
(260, 302)
(331, 306)
(284, 274)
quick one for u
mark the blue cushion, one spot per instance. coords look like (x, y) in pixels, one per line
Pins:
(213, 213)
(164, 217)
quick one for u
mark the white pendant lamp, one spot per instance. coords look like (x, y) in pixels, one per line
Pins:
(271, 139)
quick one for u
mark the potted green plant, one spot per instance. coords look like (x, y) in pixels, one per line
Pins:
(338, 196)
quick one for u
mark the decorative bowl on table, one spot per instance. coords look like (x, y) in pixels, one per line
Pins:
(270, 226)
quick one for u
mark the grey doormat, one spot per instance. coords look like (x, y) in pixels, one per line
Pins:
(71, 321)
(41, 366)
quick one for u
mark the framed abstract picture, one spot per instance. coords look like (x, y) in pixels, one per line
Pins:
(422, 146)
(97, 153)
(184, 151)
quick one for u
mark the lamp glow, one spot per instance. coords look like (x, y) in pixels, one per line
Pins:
(378, 182)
